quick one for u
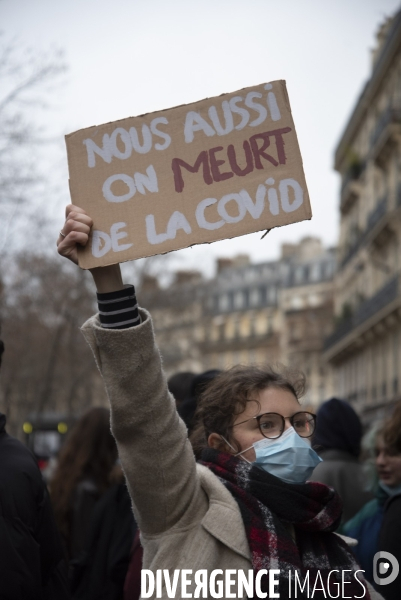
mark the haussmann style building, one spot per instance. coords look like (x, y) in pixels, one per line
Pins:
(276, 312)
(364, 349)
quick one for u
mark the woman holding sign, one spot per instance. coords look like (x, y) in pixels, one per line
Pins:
(242, 522)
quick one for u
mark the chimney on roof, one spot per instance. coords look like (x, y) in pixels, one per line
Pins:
(223, 263)
(308, 247)
(241, 260)
(183, 277)
(288, 250)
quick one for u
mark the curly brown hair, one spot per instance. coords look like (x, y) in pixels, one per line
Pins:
(228, 393)
(390, 432)
(90, 451)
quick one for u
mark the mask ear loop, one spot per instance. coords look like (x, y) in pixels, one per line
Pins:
(237, 453)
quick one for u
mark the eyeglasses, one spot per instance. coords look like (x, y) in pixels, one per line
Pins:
(272, 425)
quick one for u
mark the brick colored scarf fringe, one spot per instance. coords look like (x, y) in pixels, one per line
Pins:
(267, 504)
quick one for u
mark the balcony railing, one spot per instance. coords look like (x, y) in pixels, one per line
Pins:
(387, 294)
(376, 214)
(353, 172)
(398, 197)
(353, 249)
(238, 341)
(390, 115)
(374, 217)
(340, 332)
(367, 309)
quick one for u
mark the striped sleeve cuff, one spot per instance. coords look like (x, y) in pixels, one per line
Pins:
(119, 310)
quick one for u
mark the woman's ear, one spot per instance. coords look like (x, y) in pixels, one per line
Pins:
(215, 441)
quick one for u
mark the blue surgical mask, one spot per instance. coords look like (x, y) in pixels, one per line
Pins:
(289, 457)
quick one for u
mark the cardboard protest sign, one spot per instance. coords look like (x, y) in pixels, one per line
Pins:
(206, 171)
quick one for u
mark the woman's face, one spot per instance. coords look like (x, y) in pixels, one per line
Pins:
(388, 465)
(273, 400)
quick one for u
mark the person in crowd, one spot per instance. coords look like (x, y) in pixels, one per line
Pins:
(390, 540)
(377, 525)
(85, 471)
(188, 408)
(179, 386)
(337, 440)
(247, 504)
(32, 564)
(101, 569)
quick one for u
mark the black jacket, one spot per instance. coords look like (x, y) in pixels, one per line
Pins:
(99, 573)
(32, 565)
(390, 541)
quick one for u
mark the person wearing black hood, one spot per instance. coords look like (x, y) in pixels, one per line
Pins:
(187, 409)
(337, 440)
(32, 564)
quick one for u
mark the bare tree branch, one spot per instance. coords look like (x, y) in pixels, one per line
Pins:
(25, 80)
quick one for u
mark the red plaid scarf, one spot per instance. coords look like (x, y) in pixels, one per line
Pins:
(267, 505)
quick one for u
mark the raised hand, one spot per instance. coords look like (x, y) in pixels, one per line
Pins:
(75, 231)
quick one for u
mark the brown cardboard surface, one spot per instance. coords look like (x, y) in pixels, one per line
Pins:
(197, 173)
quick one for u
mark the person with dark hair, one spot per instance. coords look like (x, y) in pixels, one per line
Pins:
(337, 440)
(188, 408)
(93, 509)
(246, 506)
(179, 386)
(377, 525)
(32, 563)
(84, 472)
(100, 571)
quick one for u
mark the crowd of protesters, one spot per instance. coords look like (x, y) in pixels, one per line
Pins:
(218, 470)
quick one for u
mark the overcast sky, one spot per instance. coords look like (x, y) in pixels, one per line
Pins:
(129, 57)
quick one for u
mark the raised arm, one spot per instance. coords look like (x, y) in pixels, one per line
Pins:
(152, 440)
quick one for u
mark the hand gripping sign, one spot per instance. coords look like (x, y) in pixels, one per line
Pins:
(206, 171)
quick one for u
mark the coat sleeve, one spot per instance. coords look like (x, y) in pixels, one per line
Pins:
(153, 445)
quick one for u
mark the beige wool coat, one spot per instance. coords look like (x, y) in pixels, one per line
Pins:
(187, 517)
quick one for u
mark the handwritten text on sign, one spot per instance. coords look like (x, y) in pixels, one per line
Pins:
(211, 170)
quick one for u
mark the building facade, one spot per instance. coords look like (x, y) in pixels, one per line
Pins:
(307, 306)
(364, 349)
(277, 312)
(177, 317)
(241, 318)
